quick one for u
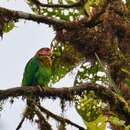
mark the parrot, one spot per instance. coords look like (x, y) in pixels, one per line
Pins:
(38, 71)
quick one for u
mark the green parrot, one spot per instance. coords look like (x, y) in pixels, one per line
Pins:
(38, 70)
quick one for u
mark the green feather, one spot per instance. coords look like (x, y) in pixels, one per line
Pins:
(43, 76)
(29, 72)
(36, 73)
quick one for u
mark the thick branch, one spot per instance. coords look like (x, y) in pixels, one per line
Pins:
(118, 104)
(74, 5)
(28, 16)
(60, 24)
(65, 92)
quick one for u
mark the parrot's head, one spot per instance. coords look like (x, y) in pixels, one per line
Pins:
(44, 55)
(44, 52)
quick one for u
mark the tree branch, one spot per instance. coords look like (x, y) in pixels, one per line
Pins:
(15, 15)
(60, 24)
(43, 124)
(58, 118)
(117, 103)
(74, 5)
(20, 123)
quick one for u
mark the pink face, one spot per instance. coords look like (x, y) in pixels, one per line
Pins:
(44, 52)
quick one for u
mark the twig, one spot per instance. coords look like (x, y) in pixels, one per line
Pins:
(59, 118)
(112, 83)
(20, 124)
(43, 124)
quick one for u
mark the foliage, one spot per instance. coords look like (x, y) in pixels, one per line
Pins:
(116, 121)
(65, 58)
(98, 124)
(128, 82)
(8, 27)
(89, 7)
(59, 13)
(128, 3)
(90, 73)
(127, 71)
(88, 105)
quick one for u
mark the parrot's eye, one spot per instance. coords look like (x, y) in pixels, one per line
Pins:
(47, 49)
(40, 55)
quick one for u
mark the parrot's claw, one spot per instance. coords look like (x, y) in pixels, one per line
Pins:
(40, 88)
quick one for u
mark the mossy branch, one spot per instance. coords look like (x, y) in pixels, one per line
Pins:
(59, 118)
(60, 24)
(43, 124)
(117, 103)
(15, 15)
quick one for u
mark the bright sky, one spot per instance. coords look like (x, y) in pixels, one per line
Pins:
(16, 48)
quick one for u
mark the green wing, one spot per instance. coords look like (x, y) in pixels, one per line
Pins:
(43, 76)
(30, 71)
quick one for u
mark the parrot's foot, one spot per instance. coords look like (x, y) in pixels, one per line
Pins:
(40, 88)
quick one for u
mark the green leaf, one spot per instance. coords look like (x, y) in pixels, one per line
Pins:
(8, 27)
(116, 121)
(127, 127)
(125, 70)
(128, 3)
(98, 124)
